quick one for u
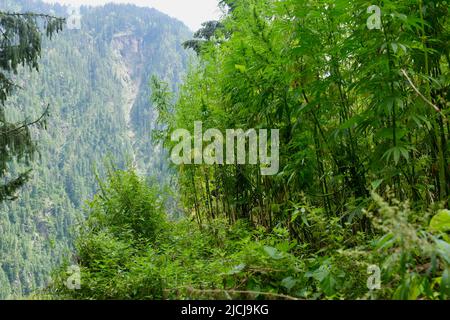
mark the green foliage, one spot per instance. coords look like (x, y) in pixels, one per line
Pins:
(20, 45)
(441, 221)
(219, 260)
(358, 110)
(203, 36)
(353, 106)
(127, 208)
(414, 261)
(125, 219)
(95, 81)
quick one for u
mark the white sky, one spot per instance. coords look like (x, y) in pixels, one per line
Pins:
(191, 12)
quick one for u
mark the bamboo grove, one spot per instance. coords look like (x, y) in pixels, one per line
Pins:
(359, 109)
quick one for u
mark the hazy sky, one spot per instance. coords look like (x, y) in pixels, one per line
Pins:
(191, 12)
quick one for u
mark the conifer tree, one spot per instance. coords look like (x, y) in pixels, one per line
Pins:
(20, 45)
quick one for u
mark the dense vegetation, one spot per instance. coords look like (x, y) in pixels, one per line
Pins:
(364, 172)
(95, 82)
(128, 249)
(20, 45)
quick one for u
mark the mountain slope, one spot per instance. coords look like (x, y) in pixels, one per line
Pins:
(96, 83)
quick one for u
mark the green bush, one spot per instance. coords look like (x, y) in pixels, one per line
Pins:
(128, 208)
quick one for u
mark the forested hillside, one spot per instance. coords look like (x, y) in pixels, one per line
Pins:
(355, 96)
(359, 206)
(96, 83)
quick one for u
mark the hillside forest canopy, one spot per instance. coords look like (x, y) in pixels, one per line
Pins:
(350, 100)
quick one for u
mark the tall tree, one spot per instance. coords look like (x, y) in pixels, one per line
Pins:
(20, 45)
(203, 36)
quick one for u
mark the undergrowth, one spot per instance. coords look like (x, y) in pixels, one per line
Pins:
(128, 249)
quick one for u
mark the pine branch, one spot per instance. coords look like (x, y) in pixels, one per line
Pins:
(28, 124)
